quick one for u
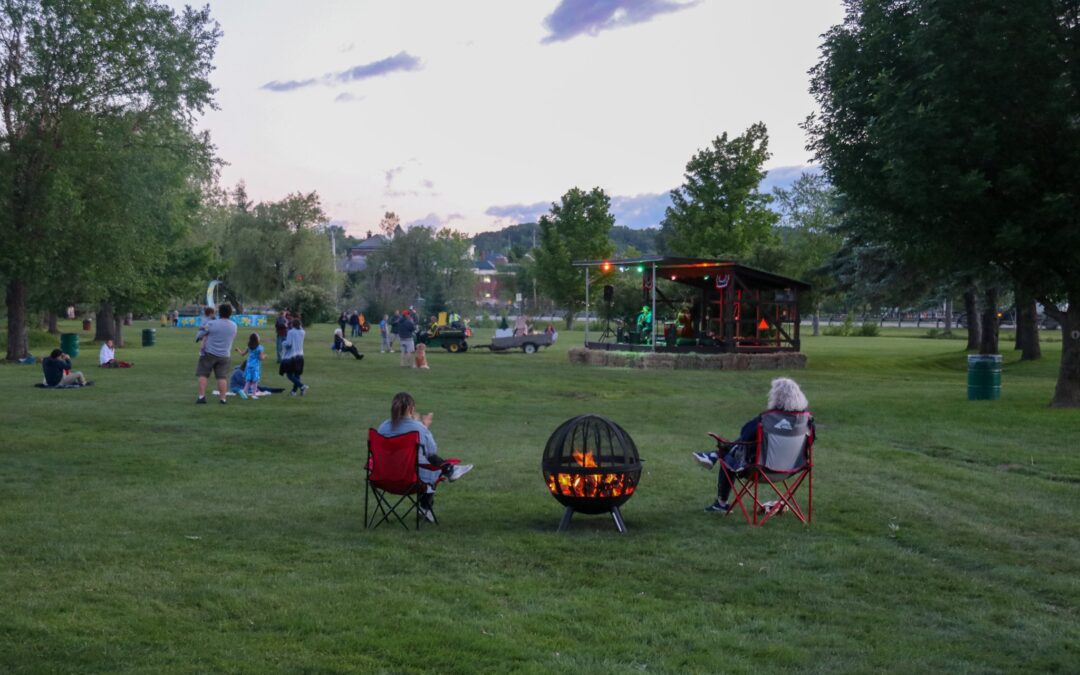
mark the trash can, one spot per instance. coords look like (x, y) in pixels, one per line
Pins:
(984, 377)
(69, 344)
(149, 337)
(86, 325)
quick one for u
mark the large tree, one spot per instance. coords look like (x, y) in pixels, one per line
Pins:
(421, 263)
(719, 212)
(69, 66)
(577, 228)
(952, 123)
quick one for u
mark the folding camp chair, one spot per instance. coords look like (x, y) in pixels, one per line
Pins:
(779, 461)
(392, 472)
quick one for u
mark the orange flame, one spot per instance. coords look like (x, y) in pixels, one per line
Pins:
(585, 459)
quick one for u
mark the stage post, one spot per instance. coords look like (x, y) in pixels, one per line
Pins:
(653, 341)
(586, 305)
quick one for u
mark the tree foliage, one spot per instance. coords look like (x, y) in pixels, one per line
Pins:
(97, 106)
(421, 263)
(950, 128)
(577, 228)
(719, 212)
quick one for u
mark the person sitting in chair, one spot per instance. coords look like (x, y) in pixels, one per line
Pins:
(403, 420)
(785, 395)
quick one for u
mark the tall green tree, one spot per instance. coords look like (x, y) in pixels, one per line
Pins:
(421, 263)
(69, 65)
(808, 222)
(952, 125)
(719, 212)
(577, 228)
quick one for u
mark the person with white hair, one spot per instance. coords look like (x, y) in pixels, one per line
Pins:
(784, 395)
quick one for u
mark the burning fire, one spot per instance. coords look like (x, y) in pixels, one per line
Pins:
(597, 485)
(585, 459)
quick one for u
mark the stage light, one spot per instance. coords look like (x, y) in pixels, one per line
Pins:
(621, 268)
(673, 277)
(606, 267)
(706, 277)
(640, 268)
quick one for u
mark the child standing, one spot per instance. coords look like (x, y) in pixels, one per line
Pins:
(384, 333)
(253, 372)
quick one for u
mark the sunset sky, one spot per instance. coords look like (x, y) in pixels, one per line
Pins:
(476, 114)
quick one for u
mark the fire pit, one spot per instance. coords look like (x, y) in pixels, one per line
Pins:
(591, 465)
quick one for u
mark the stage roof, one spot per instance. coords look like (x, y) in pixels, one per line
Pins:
(688, 268)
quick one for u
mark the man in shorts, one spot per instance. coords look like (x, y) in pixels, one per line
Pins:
(215, 359)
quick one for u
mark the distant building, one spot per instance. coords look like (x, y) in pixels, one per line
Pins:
(356, 258)
(493, 287)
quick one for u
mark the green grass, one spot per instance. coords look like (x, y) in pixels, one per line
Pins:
(142, 533)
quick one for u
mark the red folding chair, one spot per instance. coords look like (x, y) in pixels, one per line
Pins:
(779, 462)
(393, 471)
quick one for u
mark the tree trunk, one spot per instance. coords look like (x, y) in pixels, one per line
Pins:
(50, 318)
(948, 315)
(118, 333)
(103, 329)
(1067, 391)
(972, 312)
(1027, 327)
(18, 342)
(817, 320)
(989, 342)
(569, 319)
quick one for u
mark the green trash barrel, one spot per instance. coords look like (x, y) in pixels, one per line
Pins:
(149, 337)
(984, 377)
(69, 344)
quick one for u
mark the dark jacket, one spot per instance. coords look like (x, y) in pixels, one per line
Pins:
(405, 328)
(54, 369)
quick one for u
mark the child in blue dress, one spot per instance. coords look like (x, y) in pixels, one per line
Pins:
(253, 372)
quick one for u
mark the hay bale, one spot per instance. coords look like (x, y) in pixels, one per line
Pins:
(764, 361)
(654, 360)
(688, 362)
(740, 361)
(619, 359)
(597, 357)
(578, 355)
(714, 361)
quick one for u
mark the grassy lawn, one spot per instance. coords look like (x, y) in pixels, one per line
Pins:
(142, 533)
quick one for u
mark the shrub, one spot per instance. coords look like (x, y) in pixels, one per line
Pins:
(313, 303)
(843, 330)
(869, 329)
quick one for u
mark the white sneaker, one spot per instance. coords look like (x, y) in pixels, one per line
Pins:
(459, 471)
(426, 514)
(303, 389)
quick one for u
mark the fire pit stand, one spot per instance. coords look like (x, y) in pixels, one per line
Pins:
(591, 465)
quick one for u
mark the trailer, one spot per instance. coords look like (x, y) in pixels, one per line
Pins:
(526, 343)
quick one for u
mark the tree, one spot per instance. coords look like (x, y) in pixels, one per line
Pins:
(390, 224)
(718, 212)
(421, 263)
(577, 228)
(953, 124)
(68, 66)
(808, 223)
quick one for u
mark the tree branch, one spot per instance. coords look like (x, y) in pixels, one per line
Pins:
(1052, 309)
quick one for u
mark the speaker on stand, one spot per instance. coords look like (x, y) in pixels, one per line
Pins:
(609, 301)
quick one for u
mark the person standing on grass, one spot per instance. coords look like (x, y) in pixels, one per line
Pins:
(253, 372)
(406, 332)
(217, 336)
(394, 321)
(404, 420)
(384, 334)
(292, 364)
(784, 395)
(281, 329)
(343, 320)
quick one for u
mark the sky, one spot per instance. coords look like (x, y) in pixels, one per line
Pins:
(477, 114)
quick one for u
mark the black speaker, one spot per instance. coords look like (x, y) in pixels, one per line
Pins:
(609, 293)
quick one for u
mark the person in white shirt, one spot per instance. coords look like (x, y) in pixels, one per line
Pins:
(107, 356)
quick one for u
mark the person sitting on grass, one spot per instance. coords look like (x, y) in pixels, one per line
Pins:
(342, 344)
(107, 356)
(403, 420)
(785, 395)
(57, 369)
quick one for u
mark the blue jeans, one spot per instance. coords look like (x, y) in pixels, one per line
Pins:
(280, 342)
(295, 379)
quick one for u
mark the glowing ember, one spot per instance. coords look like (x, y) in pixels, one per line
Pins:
(593, 485)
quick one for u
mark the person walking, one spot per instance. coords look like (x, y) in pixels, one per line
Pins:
(406, 332)
(343, 320)
(292, 365)
(394, 320)
(217, 348)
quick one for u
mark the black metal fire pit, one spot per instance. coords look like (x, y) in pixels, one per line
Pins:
(591, 465)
